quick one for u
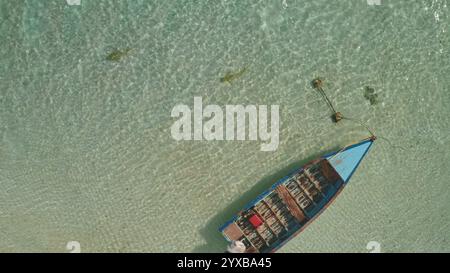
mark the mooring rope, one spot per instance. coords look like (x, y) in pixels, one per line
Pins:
(373, 134)
(324, 95)
(317, 84)
(338, 116)
(360, 123)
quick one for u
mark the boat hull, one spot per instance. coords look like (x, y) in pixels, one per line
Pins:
(292, 203)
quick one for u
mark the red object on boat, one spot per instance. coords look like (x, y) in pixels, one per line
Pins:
(255, 221)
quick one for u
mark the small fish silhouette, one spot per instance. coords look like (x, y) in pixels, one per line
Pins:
(230, 76)
(117, 55)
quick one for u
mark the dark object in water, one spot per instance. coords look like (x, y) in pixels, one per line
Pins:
(370, 95)
(317, 84)
(117, 55)
(231, 76)
(287, 207)
(338, 116)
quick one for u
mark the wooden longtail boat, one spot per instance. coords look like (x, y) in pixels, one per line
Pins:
(286, 208)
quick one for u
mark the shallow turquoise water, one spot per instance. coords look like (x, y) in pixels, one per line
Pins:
(86, 152)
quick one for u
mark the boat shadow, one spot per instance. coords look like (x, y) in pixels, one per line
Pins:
(215, 242)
